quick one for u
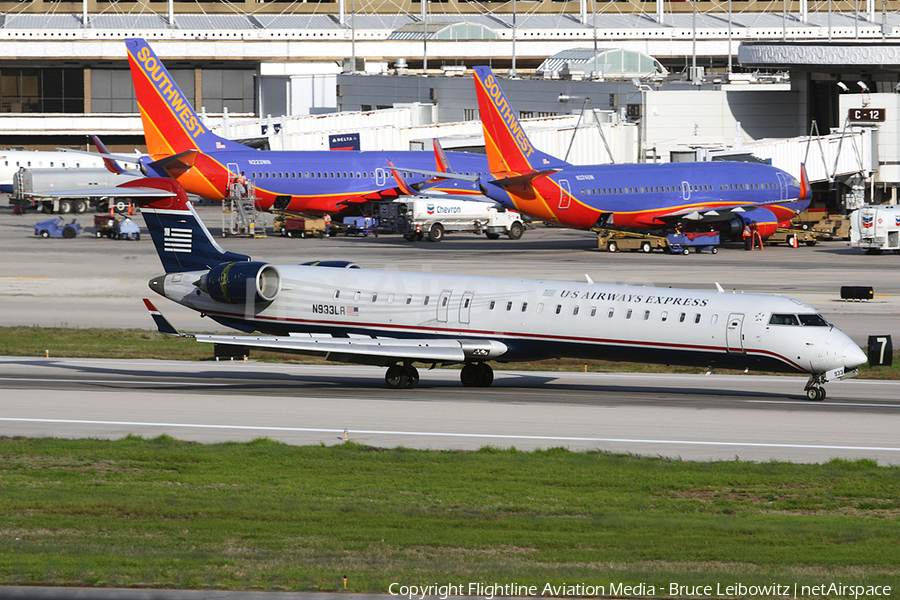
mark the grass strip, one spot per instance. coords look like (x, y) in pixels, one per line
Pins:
(268, 516)
(143, 344)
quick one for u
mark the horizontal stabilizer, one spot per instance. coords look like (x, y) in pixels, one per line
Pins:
(112, 192)
(162, 324)
(523, 179)
(126, 158)
(176, 164)
(442, 174)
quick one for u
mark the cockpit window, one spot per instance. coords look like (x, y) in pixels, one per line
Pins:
(815, 320)
(783, 320)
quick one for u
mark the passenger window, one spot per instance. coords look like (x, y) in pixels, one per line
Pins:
(664, 316)
(466, 303)
(628, 314)
(337, 294)
(714, 320)
(646, 315)
(374, 296)
(575, 311)
(509, 306)
(593, 311)
(524, 306)
(409, 299)
(681, 318)
(558, 308)
(444, 301)
(390, 298)
(356, 296)
(491, 306)
(611, 312)
(697, 318)
(427, 298)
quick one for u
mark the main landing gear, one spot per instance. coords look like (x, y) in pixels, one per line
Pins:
(401, 377)
(814, 390)
(406, 376)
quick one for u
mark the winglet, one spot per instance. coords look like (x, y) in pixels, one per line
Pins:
(162, 324)
(111, 165)
(440, 158)
(401, 183)
(805, 187)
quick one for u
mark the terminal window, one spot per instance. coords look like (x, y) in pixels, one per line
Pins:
(41, 90)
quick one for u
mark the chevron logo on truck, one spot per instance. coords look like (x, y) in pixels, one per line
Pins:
(868, 221)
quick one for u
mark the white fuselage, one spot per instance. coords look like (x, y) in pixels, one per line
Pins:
(540, 319)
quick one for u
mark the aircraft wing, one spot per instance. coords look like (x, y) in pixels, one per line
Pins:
(112, 192)
(129, 158)
(361, 350)
(699, 213)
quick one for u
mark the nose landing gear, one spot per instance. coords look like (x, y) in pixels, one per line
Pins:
(814, 390)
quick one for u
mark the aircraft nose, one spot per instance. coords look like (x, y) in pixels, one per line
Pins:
(853, 356)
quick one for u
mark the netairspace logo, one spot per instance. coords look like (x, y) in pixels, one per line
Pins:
(489, 591)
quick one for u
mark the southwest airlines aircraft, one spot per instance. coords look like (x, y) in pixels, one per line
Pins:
(638, 196)
(180, 146)
(396, 319)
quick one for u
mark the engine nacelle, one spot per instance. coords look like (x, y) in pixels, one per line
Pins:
(242, 282)
(766, 223)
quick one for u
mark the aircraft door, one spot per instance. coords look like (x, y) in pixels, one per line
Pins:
(783, 184)
(233, 172)
(685, 190)
(381, 176)
(465, 307)
(565, 193)
(443, 306)
(734, 334)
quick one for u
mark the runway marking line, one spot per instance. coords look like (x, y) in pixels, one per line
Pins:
(460, 435)
(107, 381)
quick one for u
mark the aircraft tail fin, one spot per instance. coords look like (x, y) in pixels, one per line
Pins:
(162, 323)
(170, 124)
(111, 165)
(509, 150)
(182, 240)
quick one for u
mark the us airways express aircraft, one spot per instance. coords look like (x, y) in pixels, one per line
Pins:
(396, 319)
(725, 195)
(180, 146)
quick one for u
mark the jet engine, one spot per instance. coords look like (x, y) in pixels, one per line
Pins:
(765, 220)
(242, 282)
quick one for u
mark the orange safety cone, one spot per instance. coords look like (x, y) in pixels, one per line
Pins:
(795, 242)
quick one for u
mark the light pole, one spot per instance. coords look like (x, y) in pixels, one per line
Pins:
(642, 135)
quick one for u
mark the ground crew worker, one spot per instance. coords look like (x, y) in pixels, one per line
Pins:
(327, 225)
(748, 236)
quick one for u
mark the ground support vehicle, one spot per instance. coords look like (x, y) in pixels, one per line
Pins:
(57, 227)
(681, 243)
(791, 237)
(241, 216)
(613, 240)
(875, 228)
(116, 227)
(28, 182)
(833, 227)
(300, 226)
(363, 226)
(432, 218)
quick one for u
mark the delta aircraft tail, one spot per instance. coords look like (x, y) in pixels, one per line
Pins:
(170, 124)
(509, 151)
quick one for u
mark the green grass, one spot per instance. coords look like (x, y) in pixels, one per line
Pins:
(264, 515)
(142, 344)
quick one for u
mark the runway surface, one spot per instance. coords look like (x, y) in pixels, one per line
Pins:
(693, 417)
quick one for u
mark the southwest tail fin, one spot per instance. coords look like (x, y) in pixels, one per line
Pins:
(170, 124)
(509, 150)
(182, 240)
(805, 187)
(401, 182)
(442, 165)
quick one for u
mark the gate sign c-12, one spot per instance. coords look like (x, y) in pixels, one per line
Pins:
(343, 141)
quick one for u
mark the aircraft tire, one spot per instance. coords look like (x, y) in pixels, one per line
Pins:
(469, 375)
(815, 394)
(396, 378)
(412, 377)
(436, 233)
(612, 247)
(485, 375)
(515, 231)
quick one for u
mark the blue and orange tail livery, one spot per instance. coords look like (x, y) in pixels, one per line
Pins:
(111, 165)
(170, 124)
(509, 150)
